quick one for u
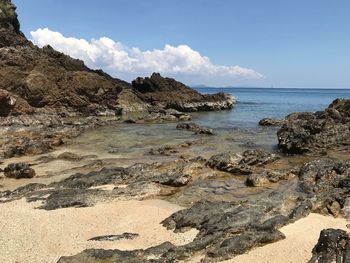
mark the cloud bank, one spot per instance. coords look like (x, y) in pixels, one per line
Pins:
(121, 61)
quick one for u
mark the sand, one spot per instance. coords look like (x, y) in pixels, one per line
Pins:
(301, 237)
(31, 235)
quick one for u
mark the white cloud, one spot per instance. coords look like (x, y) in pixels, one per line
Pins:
(124, 62)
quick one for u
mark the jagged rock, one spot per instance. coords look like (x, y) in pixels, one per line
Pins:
(173, 94)
(11, 105)
(114, 237)
(194, 128)
(332, 246)
(19, 170)
(258, 157)
(271, 122)
(315, 132)
(241, 164)
(68, 156)
(268, 176)
(328, 181)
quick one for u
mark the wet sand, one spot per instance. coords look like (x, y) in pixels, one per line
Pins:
(32, 235)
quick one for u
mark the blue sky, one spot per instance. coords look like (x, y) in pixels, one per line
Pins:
(281, 43)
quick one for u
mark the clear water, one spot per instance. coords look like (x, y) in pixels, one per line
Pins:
(236, 130)
(254, 104)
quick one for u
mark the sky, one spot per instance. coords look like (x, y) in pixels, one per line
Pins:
(291, 44)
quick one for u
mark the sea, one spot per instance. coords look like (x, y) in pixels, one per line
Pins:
(235, 130)
(254, 104)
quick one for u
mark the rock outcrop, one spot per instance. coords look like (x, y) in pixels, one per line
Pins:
(271, 122)
(170, 93)
(19, 170)
(241, 164)
(307, 132)
(195, 128)
(328, 182)
(332, 246)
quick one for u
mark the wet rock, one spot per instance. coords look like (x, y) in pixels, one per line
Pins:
(173, 180)
(114, 237)
(258, 157)
(268, 176)
(19, 170)
(130, 120)
(169, 93)
(271, 122)
(307, 132)
(164, 150)
(228, 162)
(194, 128)
(69, 156)
(241, 164)
(332, 246)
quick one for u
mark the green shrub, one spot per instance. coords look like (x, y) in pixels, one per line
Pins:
(7, 9)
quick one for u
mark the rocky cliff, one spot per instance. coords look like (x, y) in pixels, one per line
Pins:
(170, 93)
(42, 79)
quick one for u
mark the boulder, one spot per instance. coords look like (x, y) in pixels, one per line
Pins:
(195, 128)
(271, 122)
(328, 181)
(332, 246)
(19, 170)
(307, 132)
(241, 164)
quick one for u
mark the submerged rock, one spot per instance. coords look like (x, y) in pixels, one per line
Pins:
(315, 132)
(332, 246)
(194, 128)
(271, 122)
(19, 171)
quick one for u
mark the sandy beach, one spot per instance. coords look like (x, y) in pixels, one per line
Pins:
(33, 235)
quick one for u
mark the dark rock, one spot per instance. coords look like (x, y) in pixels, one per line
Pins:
(257, 157)
(175, 95)
(241, 164)
(195, 128)
(68, 156)
(268, 176)
(19, 170)
(327, 180)
(114, 237)
(332, 246)
(315, 132)
(271, 122)
(173, 180)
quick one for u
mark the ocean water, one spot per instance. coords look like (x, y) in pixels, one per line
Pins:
(254, 104)
(236, 130)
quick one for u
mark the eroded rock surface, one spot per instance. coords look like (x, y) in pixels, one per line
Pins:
(170, 93)
(271, 122)
(195, 128)
(332, 246)
(328, 181)
(241, 164)
(19, 170)
(317, 132)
